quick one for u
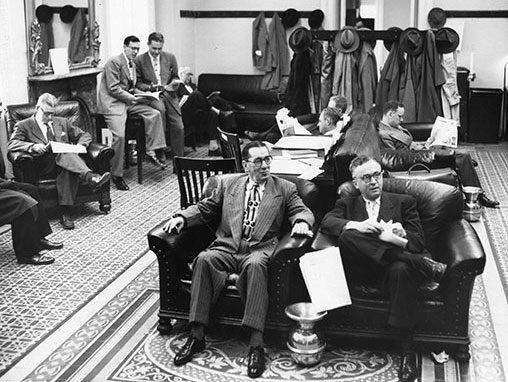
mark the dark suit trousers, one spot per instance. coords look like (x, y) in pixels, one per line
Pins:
(211, 268)
(466, 170)
(196, 112)
(363, 258)
(172, 122)
(29, 228)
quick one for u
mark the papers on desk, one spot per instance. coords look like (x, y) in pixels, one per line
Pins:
(289, 125)
(310, 142)
(306, 168)
(59, 148)
(324, 277)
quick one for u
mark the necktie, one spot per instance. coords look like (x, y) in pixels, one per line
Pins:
(49, 132)
(371, 210)
(249, 215)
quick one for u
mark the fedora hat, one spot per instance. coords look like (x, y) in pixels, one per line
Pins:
(346, 40)
(447, 40)
(371, 42)
(316, 18)
(300, 40)
(290, 17)
(67, 13)
(44, 13)
(411, 41)
(388, 43)
(436, 18)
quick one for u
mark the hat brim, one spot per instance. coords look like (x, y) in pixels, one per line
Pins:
(436, 18)
(448, 46)
(410, 50)
(346, 49)
(300, 48)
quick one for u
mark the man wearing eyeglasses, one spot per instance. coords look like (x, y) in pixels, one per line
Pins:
(381, 238)
(394, 136)
(252, 208)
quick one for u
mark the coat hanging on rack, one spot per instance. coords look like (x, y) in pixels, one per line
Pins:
(261, 57)
(278, 50)
(367, 77)
(390, 80)
(327, 69)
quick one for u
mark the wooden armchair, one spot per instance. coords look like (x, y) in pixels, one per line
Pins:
(97, 158)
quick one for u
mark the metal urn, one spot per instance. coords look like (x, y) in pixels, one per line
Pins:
(472, 207)
(305, 343)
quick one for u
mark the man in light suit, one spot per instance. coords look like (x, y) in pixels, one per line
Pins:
(252, 208)
(32, 135)
(116, 99)
(394, 136)
(157, 70)
(393, 254)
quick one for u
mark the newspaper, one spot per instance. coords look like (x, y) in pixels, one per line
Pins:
(325, 279)
(151, 96)
(289, 125)
(60, 147)
(444, 133)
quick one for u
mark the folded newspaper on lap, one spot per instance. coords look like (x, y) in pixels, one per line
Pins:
(444, 133)
(60, 147)
(324, 277)
(151, 96)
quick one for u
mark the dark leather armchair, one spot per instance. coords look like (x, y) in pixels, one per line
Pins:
(175, 252)
(97, 158)
(444, 317)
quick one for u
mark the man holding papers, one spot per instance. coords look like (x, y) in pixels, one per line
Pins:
(380, 238)
(34, 136)
(394, 136)
(251, 208)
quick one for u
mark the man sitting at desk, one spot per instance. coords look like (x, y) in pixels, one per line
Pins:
(396, 137)
(33, 136)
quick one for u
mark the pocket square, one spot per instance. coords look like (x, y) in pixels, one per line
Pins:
(63, 133)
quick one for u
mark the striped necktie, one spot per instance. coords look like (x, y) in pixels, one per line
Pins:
(49, 132)
(249, 215)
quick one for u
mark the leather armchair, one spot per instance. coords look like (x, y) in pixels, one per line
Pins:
(176, 251)
(97, 158)
(445, 311)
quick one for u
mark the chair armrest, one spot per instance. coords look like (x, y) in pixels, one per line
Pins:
(97, 151)
(402, 160)
(23, 166)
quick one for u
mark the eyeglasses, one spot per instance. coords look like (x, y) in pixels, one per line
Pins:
(259, 161)
(368, 177)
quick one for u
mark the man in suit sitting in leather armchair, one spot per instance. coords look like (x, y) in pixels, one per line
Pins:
(33, 136)
(392, 253)
(252, 208)
(394, 136)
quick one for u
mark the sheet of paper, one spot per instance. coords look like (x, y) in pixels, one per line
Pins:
(325, 279)
(287, 166)
(59, 60)
(444, 132)
(60, 147)
(305, 142)
(310, 173)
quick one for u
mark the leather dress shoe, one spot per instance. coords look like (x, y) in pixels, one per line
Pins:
(487, 202)
(66, 222)
(191, 346)
(153, 159)
(97, 180)
(237, 106)
(48, 244)
(408, 370)
(37, 259)
(120, 183)
(256, 362)
(432, 270)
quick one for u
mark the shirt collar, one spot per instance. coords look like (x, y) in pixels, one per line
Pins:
(251, 184)
(375, 201)
(126, 59)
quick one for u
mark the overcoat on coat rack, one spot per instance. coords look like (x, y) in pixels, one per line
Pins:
(449, 91)
(327, 69)
(367, 77)
(77, 42)
(345, 78)
(408, 89)
(261, 57)
(297, 93)
(278, 49)
(429, 89)
(390, 81)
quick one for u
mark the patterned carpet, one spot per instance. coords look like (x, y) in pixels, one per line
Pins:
(119, 341)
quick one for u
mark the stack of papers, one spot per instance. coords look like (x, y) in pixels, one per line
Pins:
(325, 279)
(299, 154)
(308, 142)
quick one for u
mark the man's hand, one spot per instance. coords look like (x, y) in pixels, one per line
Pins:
(398, 230)
(366, 226)
(175, 223)
(38, 149)
(173, 85)
(417, 146)
(302, 228)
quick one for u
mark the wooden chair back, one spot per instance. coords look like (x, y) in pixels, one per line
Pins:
(230, 146)
(192, 174)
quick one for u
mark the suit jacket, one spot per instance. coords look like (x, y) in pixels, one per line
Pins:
(27, 132)
(280, 200)
(113, 95)
(146, 75)
(394, 138)
(397, 207)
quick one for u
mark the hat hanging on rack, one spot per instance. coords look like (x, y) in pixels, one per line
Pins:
(346, 40)
(371, 42)
(411, 41)
(67, 14)
(300, 40)
(316, 18)
(44, 13)
(447, 40)
(388, 43)
(436, 18)
(290, 17)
